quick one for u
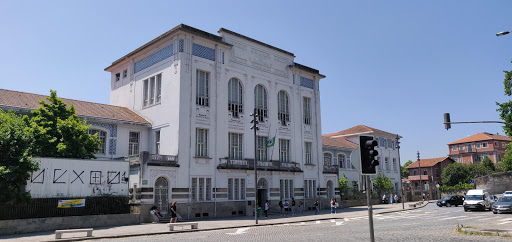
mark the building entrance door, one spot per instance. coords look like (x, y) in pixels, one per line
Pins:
(162, 195)
(262, 192)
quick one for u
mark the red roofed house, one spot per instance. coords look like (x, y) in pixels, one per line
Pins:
(475, 148)
(430, 171)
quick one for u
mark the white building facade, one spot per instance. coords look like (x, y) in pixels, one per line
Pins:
(198, 90)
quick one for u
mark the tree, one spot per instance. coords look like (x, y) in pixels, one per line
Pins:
(403, 169)
(505, 110)
(382, 183)
(456, 173)
(343, 186)
(15, 160)
(57, 131)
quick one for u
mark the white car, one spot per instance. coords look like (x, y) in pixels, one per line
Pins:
(507, 193)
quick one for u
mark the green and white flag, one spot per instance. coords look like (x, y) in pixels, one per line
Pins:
(270, 142)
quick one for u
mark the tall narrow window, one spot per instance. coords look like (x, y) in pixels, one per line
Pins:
(235, 146)
(157, 142)
(125, 73)
(283, 108)
(307, 150)
(133, 143)
(394, 164)
(102, 137)
(158, 88)
(307, 110)
(235, 97)
(145, 94)
(118, 77)
(260, 100)
(202, 80)
(284, 150)
(341, 161)
(262, 148)
(194, 189)
(327, 159)
(152, 90)
(201, 142)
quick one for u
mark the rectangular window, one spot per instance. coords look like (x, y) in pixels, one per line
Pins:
(454, 148)
(201, 142)
(194, 189)
(381, 142)
(503, 145)
(284, 150)
(498, 157)
(157, 142)
(307, 149)
(461, 147)
(118, 77)
(208, 189)
(437, 172)
(478, 145)
(235, 146)
(201, 189)
(390, 145)
(387, 163)
(125, 73)
(262, 148)
(394, 164)
(202, 79)
(485, 145)
(152, 90)
(133, 143)
(307, 110)
(425, 172)
(102, 137)
(315, 194)
(286, 187)
(495, 144)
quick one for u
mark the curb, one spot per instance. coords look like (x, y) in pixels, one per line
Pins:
(220, 228)
(486, 232)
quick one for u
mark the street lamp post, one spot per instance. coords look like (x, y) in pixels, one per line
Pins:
(255, 128)
(419, 167)
(401, 185)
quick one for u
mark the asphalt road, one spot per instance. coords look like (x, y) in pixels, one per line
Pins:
(430, 223)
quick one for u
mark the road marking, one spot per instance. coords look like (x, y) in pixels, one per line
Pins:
(333, 220)
(457, 217)
(482, 219)
(338, 223)
(318, 222)
(505, 222)
(239, 231)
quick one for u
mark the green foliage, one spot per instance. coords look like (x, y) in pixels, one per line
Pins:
(343, 182)
(57, 131)
(456, 173)
(459, 186)
(505, 108)
(15, 160)
(506, 163)
(382, 183)
(403, 169)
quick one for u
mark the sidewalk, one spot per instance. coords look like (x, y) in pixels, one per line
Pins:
(211, 224)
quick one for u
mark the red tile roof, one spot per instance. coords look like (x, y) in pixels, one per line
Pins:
(338, 142)
(28, 101)
(481, 137)
(356, 130)
(428, 162)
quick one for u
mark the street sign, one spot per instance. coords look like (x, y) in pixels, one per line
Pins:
(472, 181)
(355, 159)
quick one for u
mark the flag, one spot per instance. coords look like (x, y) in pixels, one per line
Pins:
(270, 142)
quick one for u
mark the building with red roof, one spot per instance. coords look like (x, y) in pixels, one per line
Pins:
(427, 171)
(475, 148)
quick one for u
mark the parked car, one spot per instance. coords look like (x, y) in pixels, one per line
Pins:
(451, 200)
(503, 205)
(477, 199)
(493, 199)
(507, 193)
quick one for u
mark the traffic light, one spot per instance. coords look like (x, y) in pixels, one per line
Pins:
(447, 124)
(368, 154)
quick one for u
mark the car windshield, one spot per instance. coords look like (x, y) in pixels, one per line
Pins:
(447, 197)
(474, 197)
(508, 193)
(505, 199)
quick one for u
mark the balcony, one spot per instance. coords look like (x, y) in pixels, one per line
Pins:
(152, 159)
(248, 164)
(330, 169)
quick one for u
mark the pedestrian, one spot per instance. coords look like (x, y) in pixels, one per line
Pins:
(286, 205)
(317, 207)
(391, 199)
(267, 206)
(396, 199)
(333, 206)
(281, 207)
(384, 199)
(293, 206)
(301, 207)
(174, 215)
(423, 197)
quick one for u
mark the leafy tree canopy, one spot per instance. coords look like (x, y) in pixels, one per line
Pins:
(15, 160)
(344, 185)
(505, 110)
(456, 173)
(382, 183)
(403, 169)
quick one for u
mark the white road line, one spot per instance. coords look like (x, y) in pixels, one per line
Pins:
(239, 231)
(482, 219)
(333, 220)
(338, 224)
(452, 218)
(505, 222)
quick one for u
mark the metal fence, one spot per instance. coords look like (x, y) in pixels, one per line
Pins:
(47, 207)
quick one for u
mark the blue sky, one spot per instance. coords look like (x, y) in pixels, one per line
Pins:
(392, 65)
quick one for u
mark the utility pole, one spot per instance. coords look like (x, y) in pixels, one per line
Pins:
(370, 209)
(255, 128)
(400, 168)
(419, 167)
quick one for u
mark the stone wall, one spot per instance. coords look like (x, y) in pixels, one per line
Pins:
(20, 226)
(495, 183)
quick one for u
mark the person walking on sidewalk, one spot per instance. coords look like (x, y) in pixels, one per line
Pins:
(396, 198)
(286, 205)
(267, 206)
(293, 206)
(301, 207)
(281, 207)
(333, 206)
(174, 215)
(391, 199)
(317, 209)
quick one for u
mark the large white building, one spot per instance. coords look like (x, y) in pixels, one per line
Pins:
(198, 90)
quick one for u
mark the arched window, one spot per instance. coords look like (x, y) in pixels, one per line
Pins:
(327, 159)
(235, 97)
(283, 108)
(260, 101)
(341, 161)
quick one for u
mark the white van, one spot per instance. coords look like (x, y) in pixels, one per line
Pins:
(477, 200)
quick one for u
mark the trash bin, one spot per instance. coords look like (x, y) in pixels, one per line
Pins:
(259, 212)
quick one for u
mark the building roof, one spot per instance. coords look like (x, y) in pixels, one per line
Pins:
(306, 68)
(15, 100)
(255, 41)
(359, 129)
(427, 162)
(481, 137)
(338, 142)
